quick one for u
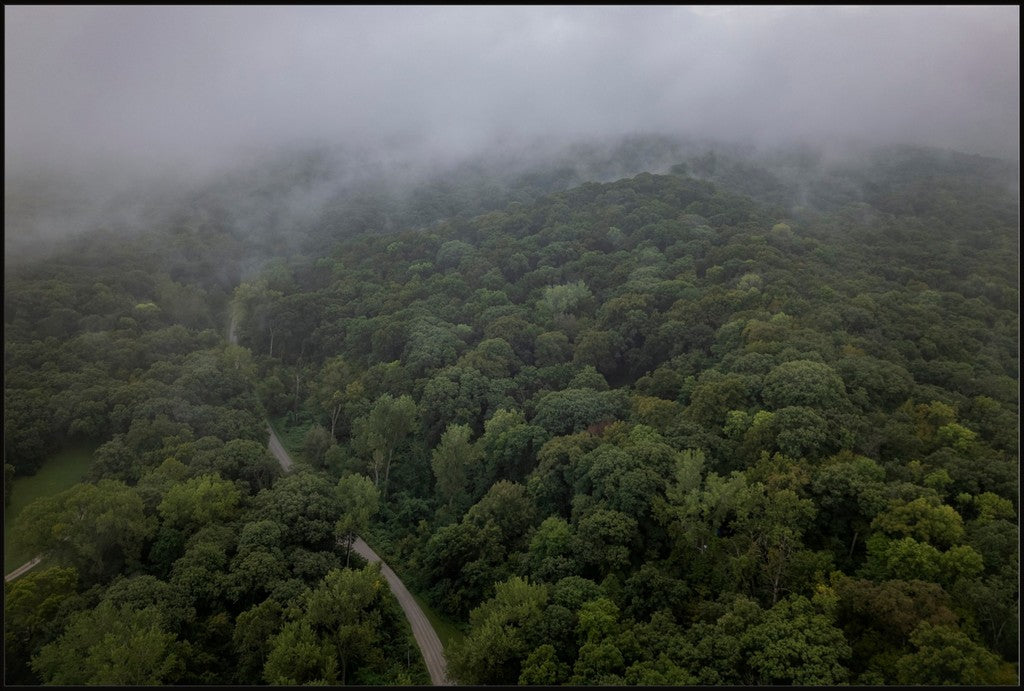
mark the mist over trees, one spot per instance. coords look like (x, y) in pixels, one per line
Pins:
(748, 418)
(648, 345)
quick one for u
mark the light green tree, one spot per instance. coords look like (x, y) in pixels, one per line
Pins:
(345, 612)
(113, 646)
(32, 604)
(565, 299)
(946, 655)
(332, 391)
(359, 501)
(200, 501)
(317, 442)
(452, 461)
(797, 643)
(98, 528)
(298, 656)
(499, 640)
(378, 435)
(923, 519)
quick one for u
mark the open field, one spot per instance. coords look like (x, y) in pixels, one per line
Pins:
(64, 469)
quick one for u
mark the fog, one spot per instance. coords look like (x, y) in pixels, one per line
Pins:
(194, 88)
(114, 115)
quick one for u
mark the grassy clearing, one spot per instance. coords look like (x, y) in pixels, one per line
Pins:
(65, 468)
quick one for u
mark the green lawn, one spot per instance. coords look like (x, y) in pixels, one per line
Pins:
(65, 468)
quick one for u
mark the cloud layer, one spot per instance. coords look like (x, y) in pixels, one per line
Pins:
(168, 86)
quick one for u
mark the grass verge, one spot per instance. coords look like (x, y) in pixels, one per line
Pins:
(292, 438)
(447, 630)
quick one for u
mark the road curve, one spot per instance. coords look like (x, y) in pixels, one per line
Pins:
(426, 638)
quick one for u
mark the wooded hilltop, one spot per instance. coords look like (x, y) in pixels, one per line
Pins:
(649, 413)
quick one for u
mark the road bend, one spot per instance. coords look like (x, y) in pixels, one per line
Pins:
(426, 637)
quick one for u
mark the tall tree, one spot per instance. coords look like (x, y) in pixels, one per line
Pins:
(503, 634)
(452, 462)
(380, 433)
(345, 612)
(33, 605)
(359, 500)
(331, 389)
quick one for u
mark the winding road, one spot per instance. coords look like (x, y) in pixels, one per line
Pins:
(426, 637)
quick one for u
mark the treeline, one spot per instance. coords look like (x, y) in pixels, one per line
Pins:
(656, 431)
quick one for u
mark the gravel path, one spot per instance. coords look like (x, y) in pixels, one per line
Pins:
(426, 638)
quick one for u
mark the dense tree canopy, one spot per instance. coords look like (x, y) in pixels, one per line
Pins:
(757, 424)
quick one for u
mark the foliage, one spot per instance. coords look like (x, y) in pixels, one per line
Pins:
(751, 422)
(500, 640)
(100, 529)
(111, 645)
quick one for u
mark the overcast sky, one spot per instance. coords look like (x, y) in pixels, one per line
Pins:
(170, 85)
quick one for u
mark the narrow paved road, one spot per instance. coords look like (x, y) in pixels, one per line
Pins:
(23, 569)
(277, 448)
(426, 638)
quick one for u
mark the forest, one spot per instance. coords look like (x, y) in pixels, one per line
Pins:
(650, 413)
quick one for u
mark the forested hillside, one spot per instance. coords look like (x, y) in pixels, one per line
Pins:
(745, 419)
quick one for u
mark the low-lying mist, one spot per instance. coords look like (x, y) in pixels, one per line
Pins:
(300, 200)
(289, 126)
